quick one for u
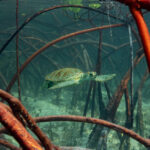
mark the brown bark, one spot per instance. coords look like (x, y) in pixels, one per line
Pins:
(21, 111)
(17, 130)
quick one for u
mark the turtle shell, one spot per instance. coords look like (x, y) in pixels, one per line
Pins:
(65, 74)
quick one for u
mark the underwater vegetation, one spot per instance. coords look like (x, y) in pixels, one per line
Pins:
(74, 75)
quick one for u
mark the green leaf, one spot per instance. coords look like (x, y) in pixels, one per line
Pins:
(74, 2)
(95, 5)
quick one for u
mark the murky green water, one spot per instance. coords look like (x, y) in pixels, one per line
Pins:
(104, 51)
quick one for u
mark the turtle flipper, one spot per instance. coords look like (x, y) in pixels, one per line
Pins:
(63, 84)
(103, 78)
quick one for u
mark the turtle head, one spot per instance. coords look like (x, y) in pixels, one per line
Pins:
(91, 75)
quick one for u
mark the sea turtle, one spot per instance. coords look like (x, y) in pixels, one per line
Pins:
(69, 76)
